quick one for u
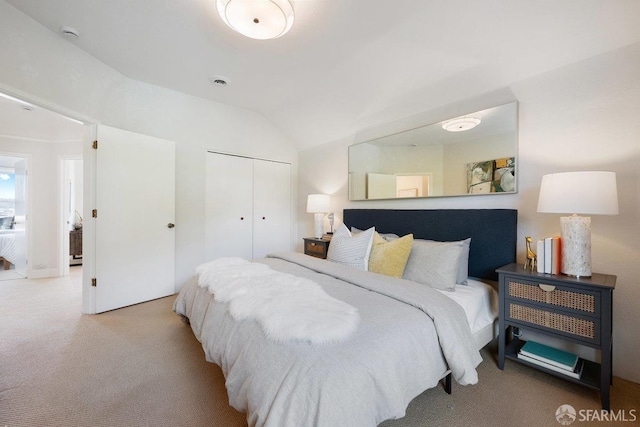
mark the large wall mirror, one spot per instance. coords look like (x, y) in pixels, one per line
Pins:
(470, 154)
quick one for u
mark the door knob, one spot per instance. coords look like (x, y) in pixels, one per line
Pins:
(170, 225)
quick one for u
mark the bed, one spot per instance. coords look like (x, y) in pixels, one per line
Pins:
(7, 248)
(408, 336)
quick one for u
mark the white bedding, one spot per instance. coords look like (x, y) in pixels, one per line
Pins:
(8, 245)
(479, 301)
(360, 382)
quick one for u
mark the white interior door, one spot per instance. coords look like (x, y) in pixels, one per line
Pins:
(271, 207)
(134, 234)
(381, 186)
(21, 217)
(228, 206)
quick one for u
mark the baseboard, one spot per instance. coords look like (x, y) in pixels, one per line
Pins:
(41, 274)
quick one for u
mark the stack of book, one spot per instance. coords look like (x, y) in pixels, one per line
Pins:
(552, 358)
(549, 255)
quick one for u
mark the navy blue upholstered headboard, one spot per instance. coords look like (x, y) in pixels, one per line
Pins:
(493, 232)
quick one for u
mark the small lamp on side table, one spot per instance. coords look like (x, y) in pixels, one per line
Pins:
(590, 192)
(318, 205)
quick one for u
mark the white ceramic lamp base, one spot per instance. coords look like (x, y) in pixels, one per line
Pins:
(318, 218)
(576, 245)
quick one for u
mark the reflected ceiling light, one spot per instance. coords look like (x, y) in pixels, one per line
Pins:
(461, 124)
(257, 19)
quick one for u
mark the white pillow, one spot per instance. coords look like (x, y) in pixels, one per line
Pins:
(463, 267)
(389, 237)
(463, 262)
(350, 250)
(436, 264)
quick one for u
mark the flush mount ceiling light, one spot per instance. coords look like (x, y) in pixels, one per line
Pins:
(257, 19)
(461, 124)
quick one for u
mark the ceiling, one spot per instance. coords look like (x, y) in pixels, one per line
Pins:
(30, 122)
(346, 64)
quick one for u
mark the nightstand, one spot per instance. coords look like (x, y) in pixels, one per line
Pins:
(576, 310)
(316, 247)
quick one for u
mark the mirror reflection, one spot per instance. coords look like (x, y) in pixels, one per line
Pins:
(470, 154)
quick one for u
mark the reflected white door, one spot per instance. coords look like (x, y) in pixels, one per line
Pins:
(381, 186)
(134, 234)
(21, 217)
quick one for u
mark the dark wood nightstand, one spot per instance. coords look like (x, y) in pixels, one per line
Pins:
(576, 310)
(75, 243)
(316, 247)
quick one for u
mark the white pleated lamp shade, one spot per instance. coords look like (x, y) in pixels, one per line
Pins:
(318, 203)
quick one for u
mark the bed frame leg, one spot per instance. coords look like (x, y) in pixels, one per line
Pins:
(447, 383)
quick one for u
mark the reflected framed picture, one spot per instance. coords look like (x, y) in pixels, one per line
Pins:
(479, 177)
(491, 176)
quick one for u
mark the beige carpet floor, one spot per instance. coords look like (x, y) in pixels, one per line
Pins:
(141, 366)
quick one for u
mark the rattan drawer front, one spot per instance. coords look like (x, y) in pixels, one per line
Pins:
(587, 329)
(314, 248)
(573, 299)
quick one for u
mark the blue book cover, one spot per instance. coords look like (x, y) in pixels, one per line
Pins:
(553, 356)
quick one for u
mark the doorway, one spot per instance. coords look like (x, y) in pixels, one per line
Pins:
(71, 212)
(37, 137)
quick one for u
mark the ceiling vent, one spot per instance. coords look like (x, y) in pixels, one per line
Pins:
(69, 33)
(218, 80)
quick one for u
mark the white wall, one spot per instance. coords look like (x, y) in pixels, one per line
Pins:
(49, 70)
(580, 117)
(76, 177)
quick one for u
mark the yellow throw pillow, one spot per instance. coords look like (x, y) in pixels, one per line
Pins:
(390, 258)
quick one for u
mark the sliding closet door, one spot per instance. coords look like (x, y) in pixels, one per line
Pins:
(228, 206)
(271, 207)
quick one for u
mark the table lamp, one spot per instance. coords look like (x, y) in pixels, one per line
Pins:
(318, 205)
(589, 192)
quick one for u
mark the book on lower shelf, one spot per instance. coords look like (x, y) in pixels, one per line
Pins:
(550, 355)
(576, 373)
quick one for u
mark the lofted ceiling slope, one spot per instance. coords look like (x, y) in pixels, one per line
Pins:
(346, 63)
